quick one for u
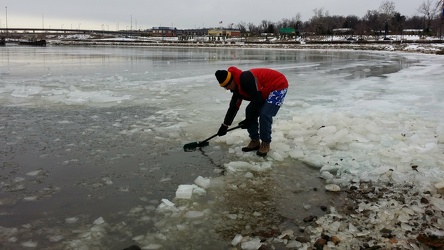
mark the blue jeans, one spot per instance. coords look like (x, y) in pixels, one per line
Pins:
(262, 129)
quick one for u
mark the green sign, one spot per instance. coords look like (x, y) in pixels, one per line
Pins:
(287, 30)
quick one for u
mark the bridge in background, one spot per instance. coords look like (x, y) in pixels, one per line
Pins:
(20, 32)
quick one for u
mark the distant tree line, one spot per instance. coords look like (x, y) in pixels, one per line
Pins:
(386, 18)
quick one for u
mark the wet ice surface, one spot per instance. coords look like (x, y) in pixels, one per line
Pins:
(93, 144)
(75, 178)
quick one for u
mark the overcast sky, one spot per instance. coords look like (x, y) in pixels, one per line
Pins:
(183, 14)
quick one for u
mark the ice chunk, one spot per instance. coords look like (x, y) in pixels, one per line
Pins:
(167, 202)
(439, 185)
(333, 188)
(232, 216)
(253, 244)
(34, 173)
(56, 238)
(277, 156)
(71, 220)
(136, 210)
(19, 179)
(236, 166)
(335, 226)
(236, 240)
(99, 221)
(438, 203)
(29, 244)
(249, 175)
(152, 246)
(306, 206)
(138, 237)
(294, 244)
(381, 170)
(406, 227)
(327, 175)
(296, 154)
(286, 233)
(202, 182)
(199, 191)
(324, 131)
(184, 192)
(352, 229)
(30, 198)
(194, 214)
(337, 137)
(257, 214)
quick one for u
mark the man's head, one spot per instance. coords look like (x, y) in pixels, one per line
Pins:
(224, 78)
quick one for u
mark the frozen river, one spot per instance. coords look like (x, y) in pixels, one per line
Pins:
(91, 140)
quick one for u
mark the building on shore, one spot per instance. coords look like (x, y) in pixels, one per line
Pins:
(222, 34)
(164, 32)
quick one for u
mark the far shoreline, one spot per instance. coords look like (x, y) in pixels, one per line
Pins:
(412, 46)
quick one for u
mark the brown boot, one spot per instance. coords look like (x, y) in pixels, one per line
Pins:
(253, 145)
(263, 150)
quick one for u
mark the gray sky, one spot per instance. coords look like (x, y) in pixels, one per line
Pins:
(183, 14)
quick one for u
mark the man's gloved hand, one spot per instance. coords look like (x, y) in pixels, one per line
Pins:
(244, 124)
(222, 130)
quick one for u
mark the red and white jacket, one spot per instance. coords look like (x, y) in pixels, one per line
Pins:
(254, 85)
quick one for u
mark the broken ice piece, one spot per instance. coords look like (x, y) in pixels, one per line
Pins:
(168, 203)
(236, 240)
(30, 198)
(333, 188)
(184, 191)
(34, 173)
(202, 182)
(194, 214)
(71, 220)
(99, 221)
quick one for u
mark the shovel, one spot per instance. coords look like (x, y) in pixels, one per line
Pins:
(193, 145)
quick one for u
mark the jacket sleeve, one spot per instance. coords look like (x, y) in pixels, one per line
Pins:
(249, 86)
(235, 103)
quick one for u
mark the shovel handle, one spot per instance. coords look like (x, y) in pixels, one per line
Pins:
(233, 128)
(191, 146)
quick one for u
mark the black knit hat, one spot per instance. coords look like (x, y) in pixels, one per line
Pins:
(223, 77)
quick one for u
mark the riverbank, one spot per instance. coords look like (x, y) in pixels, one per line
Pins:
(412, 46)
(292, 206)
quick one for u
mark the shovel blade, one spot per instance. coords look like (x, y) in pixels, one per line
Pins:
(193, 145)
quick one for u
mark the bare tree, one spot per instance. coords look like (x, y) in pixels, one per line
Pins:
(318, 21)
(320, 13)
(297, 18)
(296, 22)
(285, 22)
(351, 21)
(242, 26)
(253, 29)
(414, 22)
(372, 21)
(429, 9)
(398, 21)
(265, 24)
(387, 8)
(386, 12)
